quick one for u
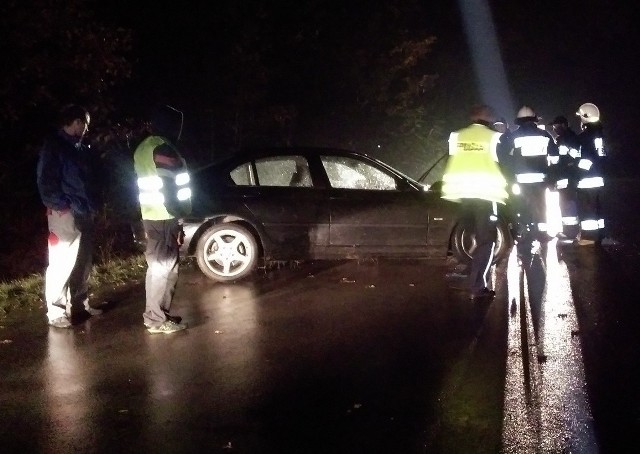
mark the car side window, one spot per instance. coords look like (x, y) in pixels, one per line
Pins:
(349, 173)
(284, 171)
(243, 176)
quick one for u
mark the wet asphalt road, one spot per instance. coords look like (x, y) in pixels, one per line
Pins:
(342, 357)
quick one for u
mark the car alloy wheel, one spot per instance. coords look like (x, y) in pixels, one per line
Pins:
(464, 242)
(227, 252)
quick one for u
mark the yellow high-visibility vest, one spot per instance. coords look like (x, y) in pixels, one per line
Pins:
(152, 193)
(472, 171)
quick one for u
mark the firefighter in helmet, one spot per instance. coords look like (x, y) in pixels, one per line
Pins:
(533, 152)
(591, 174)
(567, 174)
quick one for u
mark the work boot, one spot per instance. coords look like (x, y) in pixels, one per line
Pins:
(483, 294)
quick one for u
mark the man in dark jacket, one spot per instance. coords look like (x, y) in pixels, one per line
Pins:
(64, 183)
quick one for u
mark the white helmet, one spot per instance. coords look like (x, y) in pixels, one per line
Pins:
(526, 111)
(525, 114)
(588, 113)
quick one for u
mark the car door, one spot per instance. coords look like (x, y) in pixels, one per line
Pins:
(373, 211)
(292, 212)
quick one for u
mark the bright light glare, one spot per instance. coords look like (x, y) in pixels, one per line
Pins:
(487, 61)
(554, 215)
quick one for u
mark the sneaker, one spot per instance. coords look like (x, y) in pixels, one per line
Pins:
(167, 327)
(485, 293)
(60, 322)
(173, 318)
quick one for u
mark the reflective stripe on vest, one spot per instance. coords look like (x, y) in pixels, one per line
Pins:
(591, 182)
(532, 145)
(598, 143)
(530, 177)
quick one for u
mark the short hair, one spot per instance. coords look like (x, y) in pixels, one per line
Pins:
(482, 112)
(71, 112)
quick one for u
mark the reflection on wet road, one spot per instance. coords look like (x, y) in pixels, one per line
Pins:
(66, 378)
(335, 357)
(546, 402)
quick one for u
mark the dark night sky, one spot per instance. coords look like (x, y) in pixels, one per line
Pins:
(557, 54)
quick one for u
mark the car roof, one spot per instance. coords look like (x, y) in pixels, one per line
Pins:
(299, 150)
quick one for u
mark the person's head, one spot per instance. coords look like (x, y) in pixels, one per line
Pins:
(74, 120)
(501, 125)
(167, 121)
(483, 114)
(559, 124)
(526, 115)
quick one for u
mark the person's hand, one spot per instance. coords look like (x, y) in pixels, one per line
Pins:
(180, 236)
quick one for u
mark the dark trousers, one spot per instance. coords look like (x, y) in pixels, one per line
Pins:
(569, 211)
(481, 214)
(531, 205)
(162, 255)
(79, 279)
(589, 208)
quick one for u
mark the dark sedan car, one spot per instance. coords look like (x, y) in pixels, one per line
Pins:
(298, 203)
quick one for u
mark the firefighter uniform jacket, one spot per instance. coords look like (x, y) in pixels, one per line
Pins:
(569, 156)
(533, 148)
(592, 155)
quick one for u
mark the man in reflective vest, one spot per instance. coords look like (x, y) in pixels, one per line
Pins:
(591, 177)
(473, 177)
(165, 197)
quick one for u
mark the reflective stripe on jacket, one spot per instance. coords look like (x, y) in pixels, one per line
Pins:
(472, 171)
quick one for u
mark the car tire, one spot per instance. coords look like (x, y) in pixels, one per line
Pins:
(227, 252)
(463, 242)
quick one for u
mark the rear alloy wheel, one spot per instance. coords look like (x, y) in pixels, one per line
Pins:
(464, 242)
(227, 252)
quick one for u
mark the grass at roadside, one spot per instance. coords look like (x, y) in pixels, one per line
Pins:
(27, 294)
